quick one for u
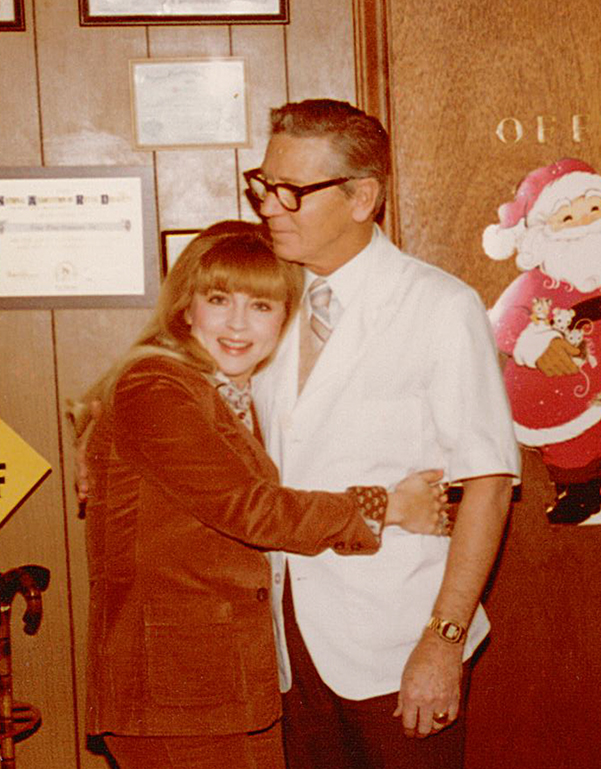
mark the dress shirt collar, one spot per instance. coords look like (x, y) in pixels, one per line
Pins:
(346, 280)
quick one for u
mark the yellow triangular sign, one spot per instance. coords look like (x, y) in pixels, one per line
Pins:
(21, 469)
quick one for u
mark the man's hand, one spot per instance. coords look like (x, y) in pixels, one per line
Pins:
(557, 360)
(430, 686)
(431, 681)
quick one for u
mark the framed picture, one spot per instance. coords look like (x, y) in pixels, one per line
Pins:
(189, 103)
(111, 12)
(12, 15)
(81, 236)
(173, 243)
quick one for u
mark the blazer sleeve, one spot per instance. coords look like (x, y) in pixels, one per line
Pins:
(184, 443)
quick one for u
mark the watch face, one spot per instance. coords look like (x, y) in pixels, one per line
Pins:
(450, 631)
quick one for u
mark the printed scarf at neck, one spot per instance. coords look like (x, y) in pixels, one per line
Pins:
(239, 400)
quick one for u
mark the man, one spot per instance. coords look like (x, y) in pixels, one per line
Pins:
(548, 324)
(393, 369)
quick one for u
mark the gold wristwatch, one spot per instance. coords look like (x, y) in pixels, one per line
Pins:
(450, 631)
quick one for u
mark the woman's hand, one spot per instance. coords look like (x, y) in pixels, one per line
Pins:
(419, 504)
(93, 411)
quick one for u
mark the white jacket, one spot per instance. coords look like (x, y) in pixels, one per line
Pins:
(409, 380)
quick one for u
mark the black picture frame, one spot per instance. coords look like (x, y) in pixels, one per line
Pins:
(173, 243)
(17, 24)
(89, 18)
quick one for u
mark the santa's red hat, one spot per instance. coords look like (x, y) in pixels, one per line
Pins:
(535, 200)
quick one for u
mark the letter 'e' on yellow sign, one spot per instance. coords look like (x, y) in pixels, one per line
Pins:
(21, 469)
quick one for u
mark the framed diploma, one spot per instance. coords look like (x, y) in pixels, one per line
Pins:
(111, 12)
(12, 15)
(189, 103)
(78, 237)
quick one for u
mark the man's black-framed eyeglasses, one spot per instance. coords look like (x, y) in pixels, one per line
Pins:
(289, 195)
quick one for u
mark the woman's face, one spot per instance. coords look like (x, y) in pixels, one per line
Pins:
(236, 329)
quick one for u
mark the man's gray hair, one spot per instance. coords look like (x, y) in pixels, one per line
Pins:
(359, 140)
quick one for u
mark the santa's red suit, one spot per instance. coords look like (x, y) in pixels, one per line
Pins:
(560, 415)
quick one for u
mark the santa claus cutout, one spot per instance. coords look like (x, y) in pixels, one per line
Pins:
(548, 324)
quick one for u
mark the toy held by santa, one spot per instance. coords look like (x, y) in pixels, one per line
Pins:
(548, 325)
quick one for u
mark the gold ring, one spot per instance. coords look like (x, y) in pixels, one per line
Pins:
(440, 718)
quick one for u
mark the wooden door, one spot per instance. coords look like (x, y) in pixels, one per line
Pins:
(477, 95)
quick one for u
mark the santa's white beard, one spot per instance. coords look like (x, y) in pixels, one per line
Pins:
(572, 255)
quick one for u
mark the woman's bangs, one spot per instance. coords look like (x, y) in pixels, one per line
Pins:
(255, 274)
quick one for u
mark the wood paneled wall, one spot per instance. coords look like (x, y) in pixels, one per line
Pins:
(64, 100)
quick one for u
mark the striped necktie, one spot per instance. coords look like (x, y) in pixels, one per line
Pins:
(320, 295)
(316, 329)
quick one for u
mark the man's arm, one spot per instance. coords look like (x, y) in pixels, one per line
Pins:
(432, 676)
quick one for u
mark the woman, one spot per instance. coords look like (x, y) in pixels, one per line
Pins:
(184, 503)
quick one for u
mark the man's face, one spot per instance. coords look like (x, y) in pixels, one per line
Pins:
(323, 234)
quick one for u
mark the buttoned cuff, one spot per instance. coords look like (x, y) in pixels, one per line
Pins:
(371, 502)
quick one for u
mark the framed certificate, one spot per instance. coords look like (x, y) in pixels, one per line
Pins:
(189, 103)
(12, 15)
(111, 12)
(78, 237)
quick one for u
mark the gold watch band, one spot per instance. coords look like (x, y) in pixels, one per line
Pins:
(448, 629)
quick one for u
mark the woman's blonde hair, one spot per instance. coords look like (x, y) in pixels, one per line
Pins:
(230, 256)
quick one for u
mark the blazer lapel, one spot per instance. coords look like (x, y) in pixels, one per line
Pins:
(368, 313)
(275, 389)
(253, 443)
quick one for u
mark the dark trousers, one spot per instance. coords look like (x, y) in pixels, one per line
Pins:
(325, 731)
